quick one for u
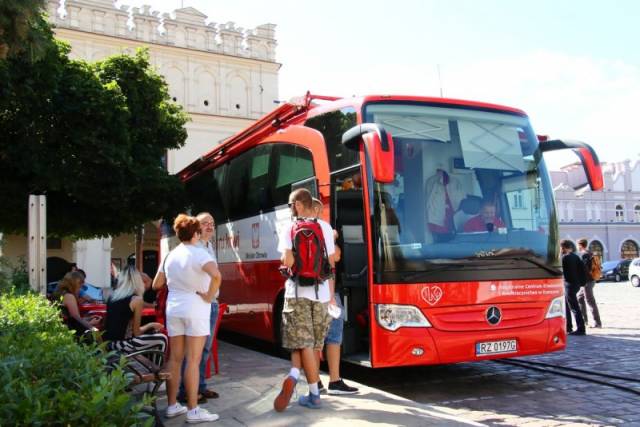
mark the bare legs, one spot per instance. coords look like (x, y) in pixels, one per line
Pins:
(306, 359)
(193, 347)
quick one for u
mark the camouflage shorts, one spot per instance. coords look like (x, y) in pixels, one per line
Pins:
(304, 323)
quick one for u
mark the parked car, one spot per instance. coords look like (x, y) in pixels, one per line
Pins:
(615, 270)
(634, 272)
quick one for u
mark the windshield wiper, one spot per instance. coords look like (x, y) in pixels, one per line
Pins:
(539, 264)
(440, 267)
(519, 255)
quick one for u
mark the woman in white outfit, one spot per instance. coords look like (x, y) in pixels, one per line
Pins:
(193, 280)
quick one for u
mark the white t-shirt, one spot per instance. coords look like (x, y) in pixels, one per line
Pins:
(208, 246)
(309, 292)
(185, 276)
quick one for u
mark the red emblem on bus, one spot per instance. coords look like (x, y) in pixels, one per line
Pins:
(432, 294)
(255, 235)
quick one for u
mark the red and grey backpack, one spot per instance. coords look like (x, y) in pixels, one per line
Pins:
(311, 264)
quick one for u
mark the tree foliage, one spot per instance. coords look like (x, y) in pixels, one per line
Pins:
(23, 28)
(89, 136)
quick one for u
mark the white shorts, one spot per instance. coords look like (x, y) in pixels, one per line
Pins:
(177, 326)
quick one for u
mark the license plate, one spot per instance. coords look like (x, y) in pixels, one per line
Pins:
(496, 347)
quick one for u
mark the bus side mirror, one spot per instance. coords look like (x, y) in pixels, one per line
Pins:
(378, 144)
(588, 157)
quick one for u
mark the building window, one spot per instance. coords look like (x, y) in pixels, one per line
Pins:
(596, 248)
(636, 213)
(619, 213)
(54, 243)
(517, 200)
(561, 211)
(629, 249)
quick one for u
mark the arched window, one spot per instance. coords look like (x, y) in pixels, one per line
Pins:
(629, 249)
(619, 213)
(596, 248)
(636, 213)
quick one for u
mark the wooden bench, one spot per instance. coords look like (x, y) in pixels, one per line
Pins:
(143, 367)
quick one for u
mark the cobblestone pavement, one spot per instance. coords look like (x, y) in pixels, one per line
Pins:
(498, 394)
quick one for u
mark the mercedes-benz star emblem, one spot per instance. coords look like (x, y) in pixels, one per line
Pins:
(493, 315)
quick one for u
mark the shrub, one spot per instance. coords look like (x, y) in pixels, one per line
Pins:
(13, 277)
(46, 378)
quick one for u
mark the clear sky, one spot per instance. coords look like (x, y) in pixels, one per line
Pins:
(573, 66)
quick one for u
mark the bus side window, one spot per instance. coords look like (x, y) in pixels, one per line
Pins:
(290, 164)
(332, 125)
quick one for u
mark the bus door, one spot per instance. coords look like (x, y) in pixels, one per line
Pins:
(347, 217)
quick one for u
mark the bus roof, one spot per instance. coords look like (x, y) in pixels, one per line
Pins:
(298, 109)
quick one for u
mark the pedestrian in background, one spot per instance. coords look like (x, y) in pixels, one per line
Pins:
(574, 277)
(585, 295)
(193, 280)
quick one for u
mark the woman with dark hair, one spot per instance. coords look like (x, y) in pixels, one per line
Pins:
(124, 309)
(69, 288)
(193, 279)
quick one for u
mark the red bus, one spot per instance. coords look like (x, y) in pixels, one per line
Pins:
(407, 182)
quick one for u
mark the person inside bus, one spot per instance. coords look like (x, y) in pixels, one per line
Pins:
(353, 182)
(305, 315)
(207, 234)
(486, 220)
(69, 288)
(193, 279)
(124, 311)
(444, 194)
(333, 340)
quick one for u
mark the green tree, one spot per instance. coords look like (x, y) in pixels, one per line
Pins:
(23, 28)
(90, 137)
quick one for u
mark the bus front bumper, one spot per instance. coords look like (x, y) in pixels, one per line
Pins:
(430, 346)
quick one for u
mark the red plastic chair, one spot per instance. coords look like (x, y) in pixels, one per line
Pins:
(213, 355)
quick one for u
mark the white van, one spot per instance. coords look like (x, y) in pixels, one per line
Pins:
(634, 272)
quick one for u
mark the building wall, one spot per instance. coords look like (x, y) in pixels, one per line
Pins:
(611, 216)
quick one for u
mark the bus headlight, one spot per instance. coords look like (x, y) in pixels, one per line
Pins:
(556, 308)
(393, 316)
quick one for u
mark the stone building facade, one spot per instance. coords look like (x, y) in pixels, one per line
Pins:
(224, 77)
(608, 219)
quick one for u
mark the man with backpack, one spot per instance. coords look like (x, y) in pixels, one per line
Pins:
(574, 277)
(593, 268)
(307, 251)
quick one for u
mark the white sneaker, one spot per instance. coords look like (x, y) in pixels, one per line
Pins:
(175, 410)
(199, 415)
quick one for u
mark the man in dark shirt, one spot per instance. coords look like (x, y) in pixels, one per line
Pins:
(574, 277)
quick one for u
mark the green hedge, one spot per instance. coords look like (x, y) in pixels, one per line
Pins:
(46, 378)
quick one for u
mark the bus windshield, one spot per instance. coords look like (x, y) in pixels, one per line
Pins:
(471, 193)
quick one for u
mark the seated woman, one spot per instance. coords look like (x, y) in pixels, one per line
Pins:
(124, 308)
(69, 288)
